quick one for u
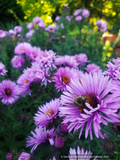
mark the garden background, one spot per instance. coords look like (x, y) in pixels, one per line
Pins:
(63, 40)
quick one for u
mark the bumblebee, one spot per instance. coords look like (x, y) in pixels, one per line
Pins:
(80, 102)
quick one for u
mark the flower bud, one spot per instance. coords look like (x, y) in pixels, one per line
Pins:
(105, 135)
(59, 143)
(64, 127)
(8, 156)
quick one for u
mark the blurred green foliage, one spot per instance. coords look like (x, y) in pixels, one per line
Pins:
(10, 12)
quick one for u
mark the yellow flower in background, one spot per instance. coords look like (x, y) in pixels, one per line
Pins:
(107, 43)
(108, 54)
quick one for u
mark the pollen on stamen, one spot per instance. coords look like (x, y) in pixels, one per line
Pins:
(50, 111)
(8, 92)
(23, 49)
(26, 81)
(65, 79)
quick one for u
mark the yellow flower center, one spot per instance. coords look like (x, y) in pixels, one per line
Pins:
(26, 81)
(50, 111)
(23, 49)
(8, 92)
(34, 56)
(65, 79)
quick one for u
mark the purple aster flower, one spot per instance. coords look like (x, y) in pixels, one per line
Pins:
(2, 69)
(17, 61)
(54, 38)
(78, 11)
(11, 33)
(66, 61)
(41, 24)
(2, 34)
(68, 18)
(41, 135)
(24, 156)
(29, 34)
(50, 28)
(113, 68)
(78, 18)
(87, 103)
(61, 25)
(99, 22)
(104, 26)
(81, 58)
(85, 13)
(63, 77)
(91, 68)
(37, 19)
(30, 25)
(18, 29)
(57, 18)
(80, 154)
(101, 25)
(9, 92)
(47, 113)
(23, 48)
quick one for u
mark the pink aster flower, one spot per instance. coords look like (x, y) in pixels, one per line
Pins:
(29, 34)
(81, 58)
(2, 69)
(80, 154)
(78, 18)
(35, 73)
(24, 82)
(45, 59)
(63, 77)
(30, 25)
(24, 156)
(41, 24)
(9, 92)
(23, 48)
(17, 61)
(78, 11)
(87, 104)
(35, 52)
(2, 34)
(91, 68)
(41, 135)
(85, 13)
(37, 19)
(47, 113)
